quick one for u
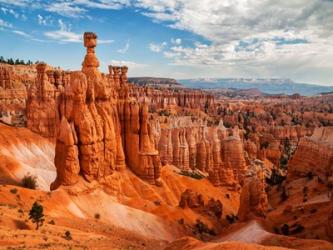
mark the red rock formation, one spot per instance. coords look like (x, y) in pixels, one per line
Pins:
(141, 155)
(329, 225)
(164, 98)
(191, 199)
(190, 144)
(253, 199)
(67, 155)
(233, 156)
(314, 154)
(96, 136)
(14, 82)
(42, 114)
(195, 201)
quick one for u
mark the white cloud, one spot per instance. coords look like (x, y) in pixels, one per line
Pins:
(125, 48)
(249, 36)
(67, 9)
(237, 36)
(8, 11)
(155, 47)
(5, 24)
(14, 13)
(103, 4)
(44, 20)
(28, 36)
(129, 64)
(176, 41)
(79, 8)
(101, 41)
(21, 33)
(64, 34)
(21, 3)
(4, 10)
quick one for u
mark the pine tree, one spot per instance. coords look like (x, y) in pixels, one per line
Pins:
(36, 214)
(10, 61)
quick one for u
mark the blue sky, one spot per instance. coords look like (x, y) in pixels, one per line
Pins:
(178, 38)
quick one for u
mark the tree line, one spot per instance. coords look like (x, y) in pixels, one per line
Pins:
(11, 61)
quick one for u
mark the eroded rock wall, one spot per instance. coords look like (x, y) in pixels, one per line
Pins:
(192, 144)
(13, 94)
(314, 155)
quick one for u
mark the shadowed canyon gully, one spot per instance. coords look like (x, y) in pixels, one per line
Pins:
(126, 166)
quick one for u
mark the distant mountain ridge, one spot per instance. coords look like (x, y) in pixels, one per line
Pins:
(269, 86)
(155, 82)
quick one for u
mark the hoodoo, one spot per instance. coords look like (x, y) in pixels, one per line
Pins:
(100, 128)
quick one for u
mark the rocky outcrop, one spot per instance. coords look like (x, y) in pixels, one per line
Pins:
(67, 155)
(314, 155)
(42, 113)
(13, 94)
(101, 129)
(141, 155)
(253, 199)
(192, 144)
(329, 225)
(233, 156)
(191, 199)
(195, 201)
(186, 98)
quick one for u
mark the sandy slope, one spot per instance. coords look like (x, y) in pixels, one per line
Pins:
(251, 232)
(124, 202)
(189, 243)
(23, 152)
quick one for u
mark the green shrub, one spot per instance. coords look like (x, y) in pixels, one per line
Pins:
(264, 144)
(284, 194)
(36, 214)
(29, 181)
(13, 190)
(68, 235)
(297, 228)
(51, 222)
(164, 113)
(285, 229)
(192, 174)
(276, 230)
(201, 228)
(231, 218)
(309, 175)
(275, 178)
